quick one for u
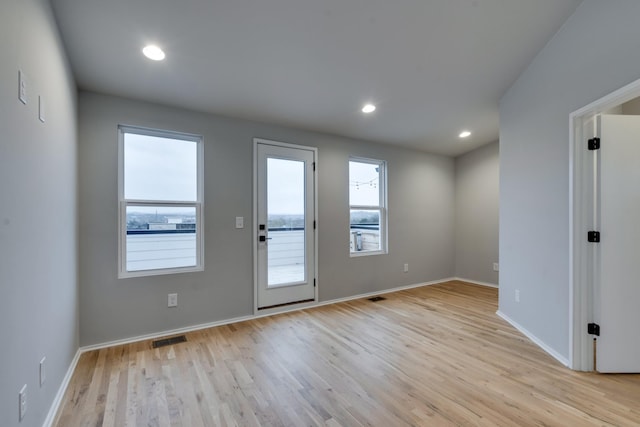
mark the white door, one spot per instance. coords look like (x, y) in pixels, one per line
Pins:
(618, 289)
(285, 240)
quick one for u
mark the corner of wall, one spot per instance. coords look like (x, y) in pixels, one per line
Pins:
(476, 213)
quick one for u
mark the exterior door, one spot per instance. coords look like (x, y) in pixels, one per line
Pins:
(285, 228)
(617, 284)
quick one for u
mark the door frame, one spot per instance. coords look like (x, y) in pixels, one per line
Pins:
(255, 232)
(582, 208)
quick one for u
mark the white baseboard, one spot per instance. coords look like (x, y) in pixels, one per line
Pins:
(250, 317)
(55, 406)
(560, 358)
(161, 334)
(475, 282)
(386, 291)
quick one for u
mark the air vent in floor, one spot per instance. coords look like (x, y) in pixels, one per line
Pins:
(376, 299)
(169, 341)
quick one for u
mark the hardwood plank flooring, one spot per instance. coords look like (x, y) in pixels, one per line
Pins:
(431, 356)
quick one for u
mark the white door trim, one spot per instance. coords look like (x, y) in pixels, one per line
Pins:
(581, 207)
(255, 233)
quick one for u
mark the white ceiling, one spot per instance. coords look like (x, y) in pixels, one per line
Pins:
(433, 67)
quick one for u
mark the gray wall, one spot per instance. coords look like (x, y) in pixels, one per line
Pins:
(38, 239)
(476, 229)
(631, 108)
(421, 221)
(577, 67)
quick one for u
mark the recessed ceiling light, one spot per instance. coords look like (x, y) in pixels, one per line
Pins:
(369, 108)
(464, 134)
(153, 52)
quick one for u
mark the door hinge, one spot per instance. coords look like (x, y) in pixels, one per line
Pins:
(314, 224)
(593, 144)
(314, 166)
(593, 329)
(593, 236)
(314, 282)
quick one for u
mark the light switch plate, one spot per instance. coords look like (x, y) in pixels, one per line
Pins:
(22, 87)
(239, 222)
(41, 108)
(172, 300)
(43, 372)
(22, 402)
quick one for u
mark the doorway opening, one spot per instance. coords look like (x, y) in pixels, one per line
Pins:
(585, 216)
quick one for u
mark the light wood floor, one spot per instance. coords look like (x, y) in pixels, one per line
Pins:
(433, 356)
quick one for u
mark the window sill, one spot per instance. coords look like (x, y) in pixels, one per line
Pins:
(158, 272)
(366, 253)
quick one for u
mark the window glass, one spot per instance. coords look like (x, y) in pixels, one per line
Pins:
(364, 184)
(157, 168)
(161, 237)
(365, 230)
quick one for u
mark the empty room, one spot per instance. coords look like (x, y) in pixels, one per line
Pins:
(330, 213)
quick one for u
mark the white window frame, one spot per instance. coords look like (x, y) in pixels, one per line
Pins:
(381, 208)
(124, 203)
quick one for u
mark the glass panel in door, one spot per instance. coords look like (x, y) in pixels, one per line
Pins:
(286, 221)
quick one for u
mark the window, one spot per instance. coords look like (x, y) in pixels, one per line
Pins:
(160, 187)
(367, 206)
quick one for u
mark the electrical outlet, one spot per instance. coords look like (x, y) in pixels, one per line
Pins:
(172, 300)
(517, 295)
(239, 222)
(22, 403)
(496, 266)
(43, 373)
(406, 268)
